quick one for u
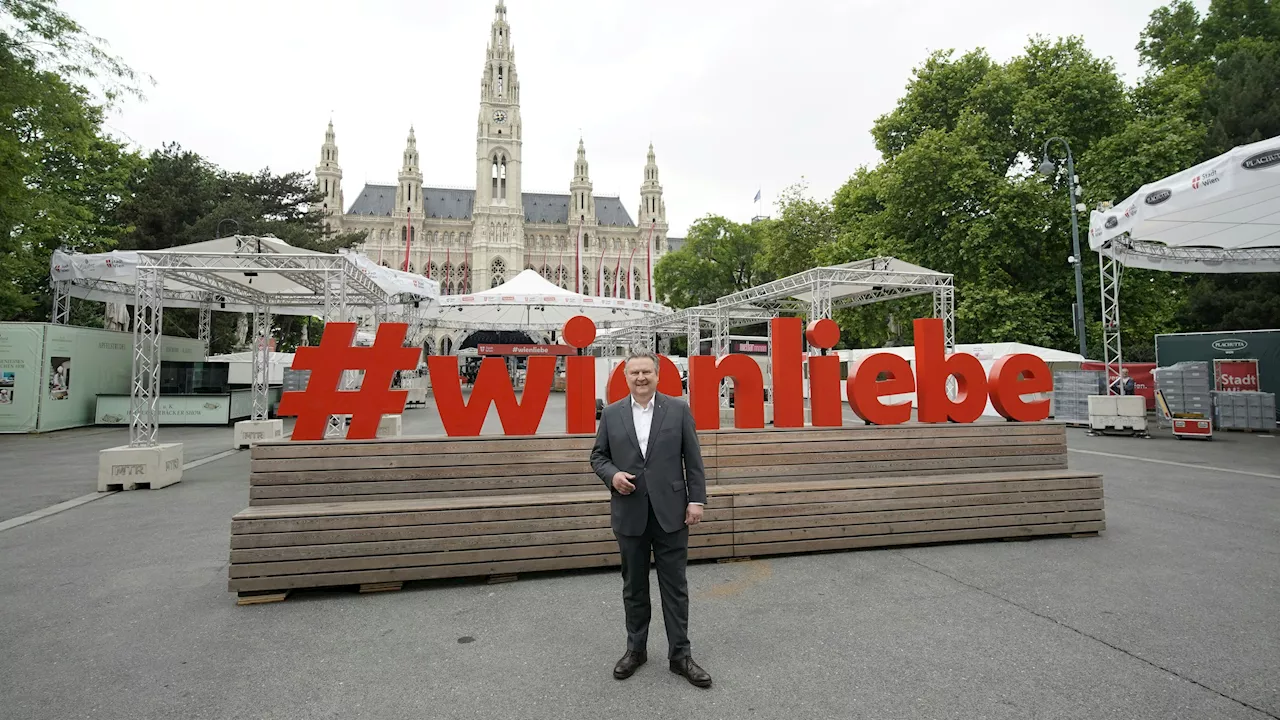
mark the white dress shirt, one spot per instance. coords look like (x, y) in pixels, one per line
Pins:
(642, 416)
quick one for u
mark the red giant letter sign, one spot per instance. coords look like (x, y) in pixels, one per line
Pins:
(1011, 378)
(932, 370)
(493, 386)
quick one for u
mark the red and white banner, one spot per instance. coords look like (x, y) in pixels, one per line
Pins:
(1235, 375)
(497, 349)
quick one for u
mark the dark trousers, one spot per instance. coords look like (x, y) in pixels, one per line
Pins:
(671, 553)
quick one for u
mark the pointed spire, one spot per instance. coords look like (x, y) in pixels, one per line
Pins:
(580, 167)
(411, 152)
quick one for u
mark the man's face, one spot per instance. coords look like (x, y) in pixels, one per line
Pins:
(642, 378)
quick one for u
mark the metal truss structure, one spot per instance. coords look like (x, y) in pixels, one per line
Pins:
(820, 291)
(1110, 269)
(1124, 250)
(332, 286)
(61, 302)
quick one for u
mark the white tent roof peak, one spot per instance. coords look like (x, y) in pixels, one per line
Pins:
(528, 282)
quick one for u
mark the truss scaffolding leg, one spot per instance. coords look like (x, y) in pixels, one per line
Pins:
(335, 310)
(820, 302)
(261, 360)
(1109, 279)
(145, 388)
(692, 336)
(720, 347)
(61, 302)
(944, 308)
(206, 325)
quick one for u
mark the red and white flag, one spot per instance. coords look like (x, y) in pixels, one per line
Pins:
(617, 275)
(600, 273)
(648, 251)
(577, 262)
(408, 237)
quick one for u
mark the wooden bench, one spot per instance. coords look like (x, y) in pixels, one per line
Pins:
(380, 544)
(408, 468)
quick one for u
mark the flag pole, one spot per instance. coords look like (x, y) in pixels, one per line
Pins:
(648, 253)
(631, 269)
(577, 262)
(408, 236)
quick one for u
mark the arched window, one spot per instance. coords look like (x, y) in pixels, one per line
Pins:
(607, 290)
(498, 272)
(586, 282)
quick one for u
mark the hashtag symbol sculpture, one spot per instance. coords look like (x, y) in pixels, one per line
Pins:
(327, 361)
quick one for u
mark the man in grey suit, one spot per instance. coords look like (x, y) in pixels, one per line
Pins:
(647, 453)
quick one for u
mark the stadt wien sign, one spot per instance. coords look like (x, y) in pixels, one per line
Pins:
(869, 382)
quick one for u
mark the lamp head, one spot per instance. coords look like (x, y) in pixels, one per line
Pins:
(1047, 168)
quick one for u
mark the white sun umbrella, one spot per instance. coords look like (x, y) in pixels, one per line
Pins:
(530, 301)
(1221, 216)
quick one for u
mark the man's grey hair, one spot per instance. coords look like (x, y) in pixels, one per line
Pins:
(636, 354)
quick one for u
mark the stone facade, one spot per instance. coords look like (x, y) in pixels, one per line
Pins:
(474, 239)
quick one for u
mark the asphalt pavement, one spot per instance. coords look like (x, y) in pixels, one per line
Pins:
(118, 608)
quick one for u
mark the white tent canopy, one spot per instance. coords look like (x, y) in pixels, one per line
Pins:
(1221, 216)
(530, 301)
(266, 268)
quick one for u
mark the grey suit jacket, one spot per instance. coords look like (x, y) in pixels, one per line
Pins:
(669, 474)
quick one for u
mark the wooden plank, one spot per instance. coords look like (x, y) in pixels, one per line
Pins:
(416, 532)
(911, 526)
(362, 508)
(461, 475)
(834, 470)
(880, 443)
(473, 542)
(744, 501)
(784, 460)
(784, 435)
(409, 445)
(916, 538)
(380, 587)
(432, 572)
(493, 463)
(814, 513)
(854, 483)
(501, 484)
(435, 444)
(894, 514)
(255, 502)
(288, 523)
(259, 598)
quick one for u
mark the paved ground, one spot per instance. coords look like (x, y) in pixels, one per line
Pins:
(119, 609)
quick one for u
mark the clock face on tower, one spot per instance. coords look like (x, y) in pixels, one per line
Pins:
(499, 116)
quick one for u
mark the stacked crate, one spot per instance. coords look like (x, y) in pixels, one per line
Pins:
(1186, 387)
(1071, 391)
(1244, 410)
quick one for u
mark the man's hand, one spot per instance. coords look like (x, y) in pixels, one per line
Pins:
(621, 482)
(692, 514)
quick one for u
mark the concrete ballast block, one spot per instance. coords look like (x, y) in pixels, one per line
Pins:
(128, 468)
(249, 432)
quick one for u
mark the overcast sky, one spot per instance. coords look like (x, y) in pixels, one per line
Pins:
(734, 94)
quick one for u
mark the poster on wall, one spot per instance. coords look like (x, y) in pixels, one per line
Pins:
(59, 378)
(20, 369)
(1235, 375)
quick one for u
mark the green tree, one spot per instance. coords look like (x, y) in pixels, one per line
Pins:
(791, 241)
(719, 257)
(61, 177)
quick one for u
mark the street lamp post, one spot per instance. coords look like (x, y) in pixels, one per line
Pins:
(1048, 168)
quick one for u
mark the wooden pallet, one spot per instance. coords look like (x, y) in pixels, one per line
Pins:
(288, 473)
(282, 548)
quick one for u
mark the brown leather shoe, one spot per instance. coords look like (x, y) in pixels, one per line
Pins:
(628, 664)
(689, 669)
